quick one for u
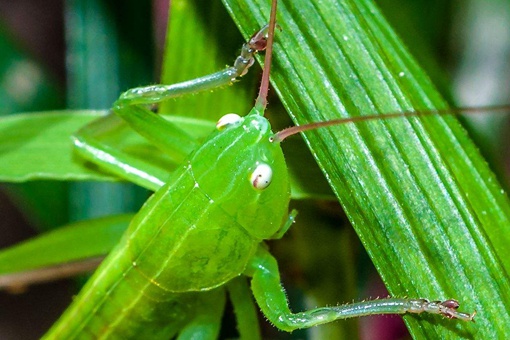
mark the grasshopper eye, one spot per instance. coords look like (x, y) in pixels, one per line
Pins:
(261, 176)
(228, 119)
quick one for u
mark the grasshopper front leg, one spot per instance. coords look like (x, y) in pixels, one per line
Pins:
(271, 298)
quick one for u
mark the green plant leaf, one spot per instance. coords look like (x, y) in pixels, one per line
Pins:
(38, 146)
(72, 243)
(426, 207)
(26, 85)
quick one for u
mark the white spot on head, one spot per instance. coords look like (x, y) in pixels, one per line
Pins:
(228, 119)
(255, 124)
(401, 74)
(261, 177)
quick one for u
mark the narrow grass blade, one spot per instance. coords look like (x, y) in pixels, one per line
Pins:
(38, 146)
(428, 210)
(75, 242)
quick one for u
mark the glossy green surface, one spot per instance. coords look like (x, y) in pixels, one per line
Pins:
(430, 213)
(171, 248)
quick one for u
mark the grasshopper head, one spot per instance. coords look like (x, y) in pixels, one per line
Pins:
(245, 173)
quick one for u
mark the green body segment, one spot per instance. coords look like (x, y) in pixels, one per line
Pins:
(118, 302)
(208, 226)
(194, 234)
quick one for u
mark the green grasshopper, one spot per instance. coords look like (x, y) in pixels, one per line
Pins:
(241, 202)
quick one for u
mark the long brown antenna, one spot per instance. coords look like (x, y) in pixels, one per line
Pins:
(261, 102)
(280, 136)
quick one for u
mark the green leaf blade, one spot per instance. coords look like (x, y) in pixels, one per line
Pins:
(38, 146)
(75, 242)
(430, 213)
